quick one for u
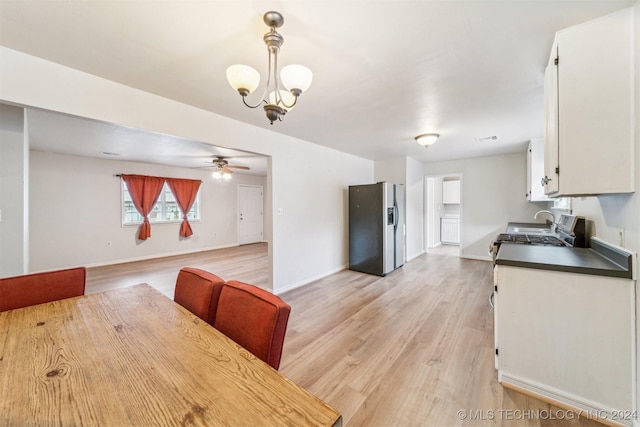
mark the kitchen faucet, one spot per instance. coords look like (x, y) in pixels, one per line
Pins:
(554, 226)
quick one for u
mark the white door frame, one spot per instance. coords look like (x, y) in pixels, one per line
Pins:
(429, 218)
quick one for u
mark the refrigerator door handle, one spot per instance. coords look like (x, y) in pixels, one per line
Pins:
(396, 214)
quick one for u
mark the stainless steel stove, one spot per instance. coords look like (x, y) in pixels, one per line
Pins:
(569, 232)
(530, 239)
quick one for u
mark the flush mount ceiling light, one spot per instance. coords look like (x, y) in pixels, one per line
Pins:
(278, 98)
(427, 139)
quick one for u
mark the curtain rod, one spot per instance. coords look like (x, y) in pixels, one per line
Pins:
(119, 175)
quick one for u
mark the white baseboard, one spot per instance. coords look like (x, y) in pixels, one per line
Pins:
(301, 283)
(144, 258)
(583, 407)
(415, 256)
(477, 258)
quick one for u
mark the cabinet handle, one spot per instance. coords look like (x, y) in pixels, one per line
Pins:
(544, 181)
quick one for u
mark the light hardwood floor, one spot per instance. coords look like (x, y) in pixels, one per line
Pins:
(247, 263)
(411, 349)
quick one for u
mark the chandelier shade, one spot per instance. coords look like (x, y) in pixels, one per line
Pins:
(296, 78)
(282, 90)
(242, 77)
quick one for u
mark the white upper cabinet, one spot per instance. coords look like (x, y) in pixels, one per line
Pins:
(535, 171)
(589, 109)
(451, 192)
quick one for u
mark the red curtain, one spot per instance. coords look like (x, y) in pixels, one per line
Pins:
(185, 192)
(144, 191)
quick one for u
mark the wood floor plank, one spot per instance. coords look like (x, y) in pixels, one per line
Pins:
(410, 349)
(246, 263)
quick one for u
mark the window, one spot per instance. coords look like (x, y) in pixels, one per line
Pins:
(165, 210)
(562, 203)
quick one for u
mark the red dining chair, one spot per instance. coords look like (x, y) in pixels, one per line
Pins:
(198, 291)
(38, 288)
(254, 318)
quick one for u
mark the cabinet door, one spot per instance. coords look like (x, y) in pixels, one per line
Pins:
(535, 171)
(451, 192)
(595, 100)
(550, 178)
(567, 336)
(450, 230)
(496, 333)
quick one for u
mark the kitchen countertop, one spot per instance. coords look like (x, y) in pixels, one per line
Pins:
(513, 226)
(598, 261)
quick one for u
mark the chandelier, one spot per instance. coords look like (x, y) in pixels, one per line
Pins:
(278, 98)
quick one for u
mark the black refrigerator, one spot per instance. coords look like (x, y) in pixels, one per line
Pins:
(376, 228)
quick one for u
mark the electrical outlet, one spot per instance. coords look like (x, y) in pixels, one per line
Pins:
(280, 211)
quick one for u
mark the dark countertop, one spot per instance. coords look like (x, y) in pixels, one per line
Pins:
(571, 260)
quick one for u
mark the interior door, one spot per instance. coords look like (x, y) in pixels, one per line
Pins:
(250, 221)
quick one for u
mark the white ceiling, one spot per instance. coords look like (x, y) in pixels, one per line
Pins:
(60, 133)
(384, 70)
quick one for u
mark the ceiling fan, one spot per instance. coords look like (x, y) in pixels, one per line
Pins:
(222, 168)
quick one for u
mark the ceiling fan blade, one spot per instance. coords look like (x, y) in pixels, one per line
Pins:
(239, 167)
(226, 169)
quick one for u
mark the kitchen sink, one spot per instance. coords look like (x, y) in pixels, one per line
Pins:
(532, 230)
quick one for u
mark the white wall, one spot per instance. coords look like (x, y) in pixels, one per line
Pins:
(415, 208)
(76, 203)
(392, 170)
(434, 207)
(493, 193)
(408, 172)
(306, 180)
(13, 190)
(313, 194)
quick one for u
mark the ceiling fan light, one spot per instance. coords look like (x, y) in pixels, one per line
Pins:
(242, 77)
(216, 174)
(226, 176)
(286, 97)
(427, 139)
(296, 78)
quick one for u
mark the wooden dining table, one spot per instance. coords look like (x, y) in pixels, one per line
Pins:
(132, 356)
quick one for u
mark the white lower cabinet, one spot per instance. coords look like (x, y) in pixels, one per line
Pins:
(450, 229)
(568, 339)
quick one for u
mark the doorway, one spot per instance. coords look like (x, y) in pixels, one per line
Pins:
(250, 214)
(443, 219)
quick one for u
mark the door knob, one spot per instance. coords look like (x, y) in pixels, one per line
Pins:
(544, 181)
